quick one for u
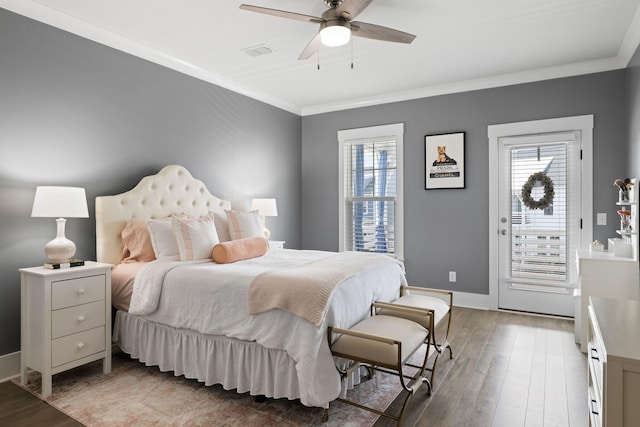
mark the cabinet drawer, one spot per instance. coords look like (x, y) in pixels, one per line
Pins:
(67, 293)
(594, 401)
(594, 359)
(77, 319)
(77, 346)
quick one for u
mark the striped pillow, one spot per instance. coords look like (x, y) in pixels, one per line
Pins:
(195, 237)
(243, 225)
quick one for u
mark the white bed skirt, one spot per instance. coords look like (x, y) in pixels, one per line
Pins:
(244, 366)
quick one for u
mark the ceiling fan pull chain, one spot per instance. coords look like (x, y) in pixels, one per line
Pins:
(318, 59)
(351, 53)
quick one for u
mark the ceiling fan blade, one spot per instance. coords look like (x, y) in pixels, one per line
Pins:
(282, 13)
(312, 47)
(349, 9)
(377, 32)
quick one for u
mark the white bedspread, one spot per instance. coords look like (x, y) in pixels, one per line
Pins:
(212, 299)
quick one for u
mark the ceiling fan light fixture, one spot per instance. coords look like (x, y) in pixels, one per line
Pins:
(335, 33)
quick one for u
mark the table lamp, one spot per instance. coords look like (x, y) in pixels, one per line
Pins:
(60, 202)
(265, 207)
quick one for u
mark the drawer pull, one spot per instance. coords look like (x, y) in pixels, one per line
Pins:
(594, 407)
(594, 354)
(80, 345)
(81, 318)
(81, 291)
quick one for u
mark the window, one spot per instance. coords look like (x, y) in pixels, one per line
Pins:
(371, 188)
(540, 238)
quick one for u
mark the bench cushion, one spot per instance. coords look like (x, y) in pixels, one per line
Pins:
(409, 333)
(439, 307)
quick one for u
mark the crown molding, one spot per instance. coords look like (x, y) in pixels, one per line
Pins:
(57, 19)
(528, 76)
(34, 10)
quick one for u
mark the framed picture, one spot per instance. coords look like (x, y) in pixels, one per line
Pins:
(444, 160)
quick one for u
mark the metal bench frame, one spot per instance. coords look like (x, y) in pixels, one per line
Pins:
(376, 365)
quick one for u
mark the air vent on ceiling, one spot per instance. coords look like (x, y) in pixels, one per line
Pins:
(258, 50)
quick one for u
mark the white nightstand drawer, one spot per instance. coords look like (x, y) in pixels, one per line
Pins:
(77, 346)
(67, 293)
(77, 319)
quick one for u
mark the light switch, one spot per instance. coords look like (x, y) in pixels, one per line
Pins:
(601, 219)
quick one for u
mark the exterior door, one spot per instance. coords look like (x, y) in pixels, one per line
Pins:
(532, 249)
(539, 218)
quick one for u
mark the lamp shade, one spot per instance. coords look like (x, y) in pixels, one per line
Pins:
(335, 33)
(265, 207)
(60, 202)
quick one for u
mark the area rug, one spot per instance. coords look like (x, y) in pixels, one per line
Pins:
(134, 395)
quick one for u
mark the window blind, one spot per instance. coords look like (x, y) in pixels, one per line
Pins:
(539, 237)
(370, 173)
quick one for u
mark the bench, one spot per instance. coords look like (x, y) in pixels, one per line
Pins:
(384, 343)
(422, 298)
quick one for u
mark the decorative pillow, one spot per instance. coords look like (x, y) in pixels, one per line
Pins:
(238, 250)
(136, 242)
(222, 226)
(244, 224)
(195, 237)
(163, 239)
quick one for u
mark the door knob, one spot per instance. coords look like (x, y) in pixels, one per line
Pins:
(503, 232)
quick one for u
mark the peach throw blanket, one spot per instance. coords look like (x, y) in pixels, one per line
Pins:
(306, 290)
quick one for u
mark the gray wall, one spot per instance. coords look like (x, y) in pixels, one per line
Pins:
(74, 112)
(448, 229)
(633, 77)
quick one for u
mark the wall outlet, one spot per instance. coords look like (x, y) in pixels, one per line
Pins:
(601, 219)
(452, 276)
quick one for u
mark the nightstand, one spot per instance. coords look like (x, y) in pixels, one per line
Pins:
(276, 244)
(66, 319)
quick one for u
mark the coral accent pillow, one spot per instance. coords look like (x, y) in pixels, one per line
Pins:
(195, 237)
(243, 225)
(238, 250)
(136, 242)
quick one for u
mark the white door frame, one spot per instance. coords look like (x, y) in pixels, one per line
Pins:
(584, 124)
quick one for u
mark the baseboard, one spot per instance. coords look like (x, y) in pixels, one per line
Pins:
(469, 300)
(9, 366)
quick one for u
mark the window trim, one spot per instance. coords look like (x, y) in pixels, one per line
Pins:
(395, 131)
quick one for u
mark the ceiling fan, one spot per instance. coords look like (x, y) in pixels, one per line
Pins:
(337, 25)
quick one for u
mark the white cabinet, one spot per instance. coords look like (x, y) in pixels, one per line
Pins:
(602, 274)
(66, 319)
(613, 362)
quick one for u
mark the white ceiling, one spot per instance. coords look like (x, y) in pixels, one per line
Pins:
(460, 45)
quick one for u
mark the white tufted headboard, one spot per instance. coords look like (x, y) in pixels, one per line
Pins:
(171, 191)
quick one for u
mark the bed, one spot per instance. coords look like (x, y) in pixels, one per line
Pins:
(192, 316)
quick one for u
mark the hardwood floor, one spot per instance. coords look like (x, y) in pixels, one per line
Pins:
(508, 369)
(19, 408)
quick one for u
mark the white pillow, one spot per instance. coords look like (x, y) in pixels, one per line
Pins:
(163, 239)
(222, 226)
(243, 225)
(195, 237)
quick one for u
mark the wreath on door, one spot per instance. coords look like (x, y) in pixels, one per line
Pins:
(546, 200)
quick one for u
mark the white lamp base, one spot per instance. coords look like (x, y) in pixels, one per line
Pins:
(263, 222)
(60, 249)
